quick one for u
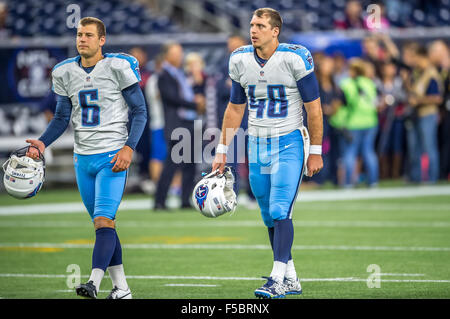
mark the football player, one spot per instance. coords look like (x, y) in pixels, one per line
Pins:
(96, 90)
(276, 80)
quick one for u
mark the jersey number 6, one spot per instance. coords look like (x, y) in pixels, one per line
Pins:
(277, 101)
(90, 113)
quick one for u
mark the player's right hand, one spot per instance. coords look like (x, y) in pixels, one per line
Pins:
(219, 162)
(32, 152)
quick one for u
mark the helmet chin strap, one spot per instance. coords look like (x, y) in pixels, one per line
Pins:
(41, 156)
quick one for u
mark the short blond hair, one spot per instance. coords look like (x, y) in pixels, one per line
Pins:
(275, 19)
(101, 29)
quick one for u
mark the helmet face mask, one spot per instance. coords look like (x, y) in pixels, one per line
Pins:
(23, 176)
(213, 195)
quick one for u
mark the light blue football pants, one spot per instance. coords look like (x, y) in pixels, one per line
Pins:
(275, 174)
(100, 188)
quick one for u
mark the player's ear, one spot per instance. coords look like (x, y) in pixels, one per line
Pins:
(276, 32)
(102, 40)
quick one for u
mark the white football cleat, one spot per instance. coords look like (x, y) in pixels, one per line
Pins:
(117, 293)
(272, 289)
(292, 287)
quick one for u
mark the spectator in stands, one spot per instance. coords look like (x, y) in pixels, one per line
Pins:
(180, 110)
(391, 107)
(359, 95)
(439, 57)
(194, 68)
(143, 146)
(340, 68)
(337, 120)
(374, 54)
(158, 143)
(353, 17)
(330, 103)
(425, 98)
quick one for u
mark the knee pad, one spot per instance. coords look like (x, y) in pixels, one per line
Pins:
(277, 212)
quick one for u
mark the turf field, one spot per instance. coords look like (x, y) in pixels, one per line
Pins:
(182, 254)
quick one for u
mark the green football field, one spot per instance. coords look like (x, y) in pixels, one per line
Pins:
(398, 246)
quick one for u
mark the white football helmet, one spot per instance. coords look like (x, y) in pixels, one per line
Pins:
(214, 195)
(24, 176)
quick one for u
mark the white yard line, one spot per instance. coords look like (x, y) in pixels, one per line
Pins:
(402, 275)
(338, 279)
(228, 223)
(229, 247)
(190, 285)
(307, 196)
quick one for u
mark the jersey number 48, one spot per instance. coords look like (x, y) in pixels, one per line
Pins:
(277, 102)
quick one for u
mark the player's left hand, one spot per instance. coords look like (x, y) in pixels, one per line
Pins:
(122, 159)
(314, 164)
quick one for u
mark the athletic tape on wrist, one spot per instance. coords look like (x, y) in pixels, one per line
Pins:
(221, 149)
(315, 149)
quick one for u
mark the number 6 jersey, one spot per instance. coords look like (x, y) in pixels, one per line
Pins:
(274, 101)
(99, 111)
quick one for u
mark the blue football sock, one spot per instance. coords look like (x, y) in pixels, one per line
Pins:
(271, 231)
(116, 258)
(282, 240)
(105, 244)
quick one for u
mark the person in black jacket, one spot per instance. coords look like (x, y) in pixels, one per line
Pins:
(180, 110)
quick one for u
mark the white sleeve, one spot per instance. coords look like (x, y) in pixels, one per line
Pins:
(302, 63)
(58, 83)
(233, 68)
(126, 70)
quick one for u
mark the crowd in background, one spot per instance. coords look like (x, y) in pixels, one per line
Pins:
(386, 114)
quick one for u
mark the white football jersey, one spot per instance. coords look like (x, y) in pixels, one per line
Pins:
(99, 111)
(274, 102)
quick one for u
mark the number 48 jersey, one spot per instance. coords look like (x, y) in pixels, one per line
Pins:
(99, 111)
(274, 101)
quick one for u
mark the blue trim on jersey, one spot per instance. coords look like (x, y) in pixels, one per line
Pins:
(300, 51)
(259, 60)
(237, 95)
(135, 100)
(308, 87)
(88, 69)
(244, 49)
(131, 59)
(70, 60)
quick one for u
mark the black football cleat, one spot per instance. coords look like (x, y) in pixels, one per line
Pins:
(87, 290)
